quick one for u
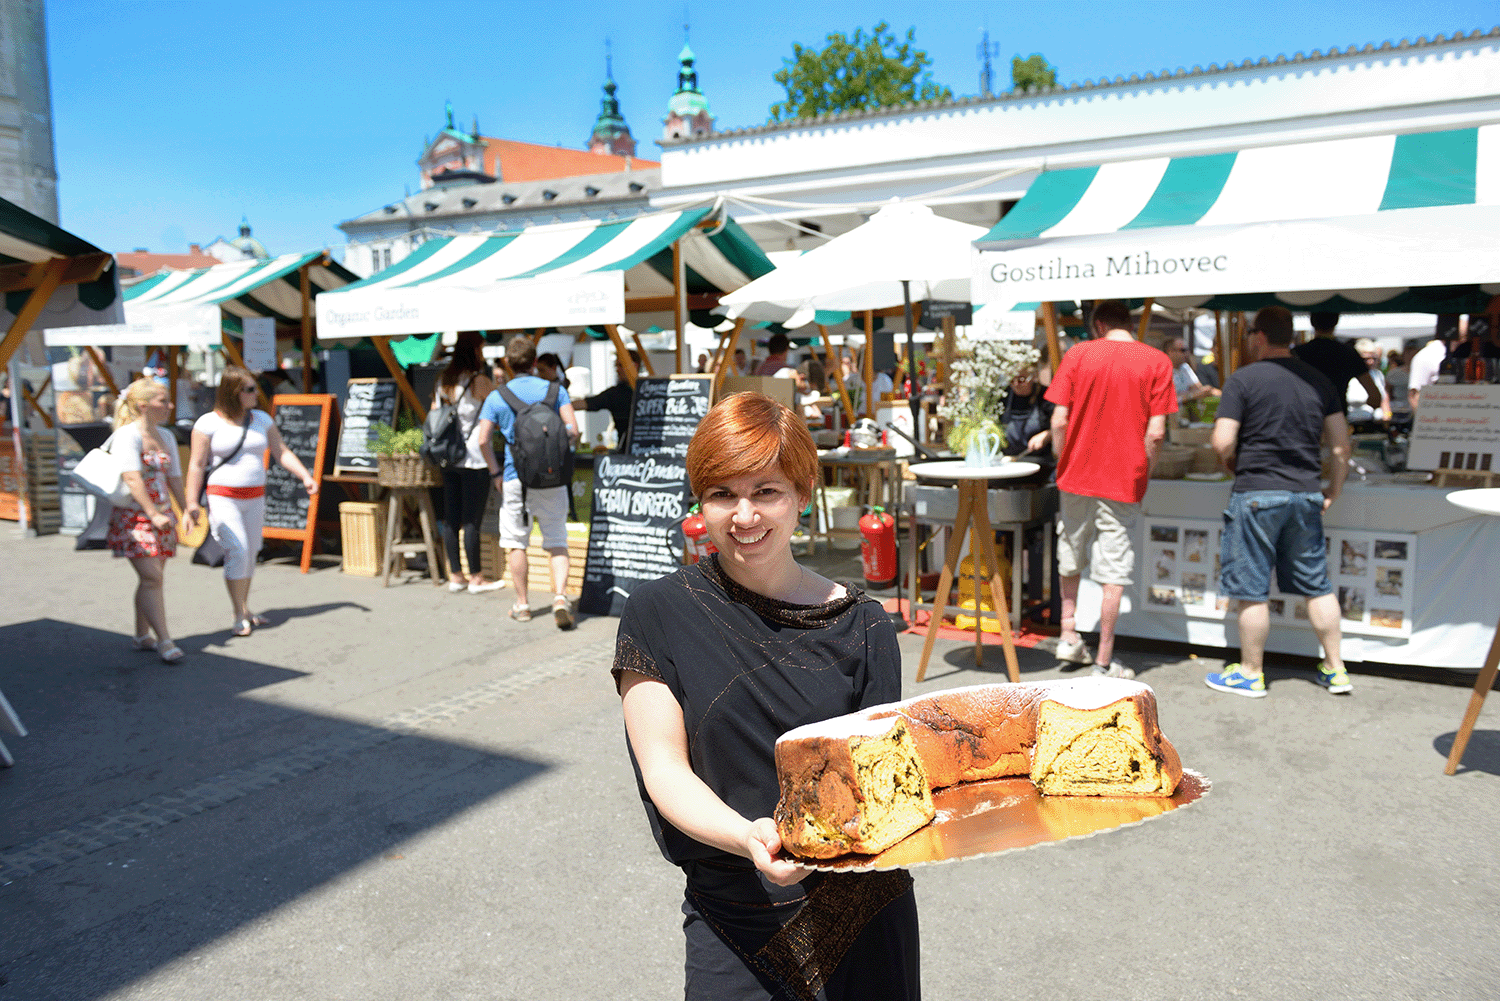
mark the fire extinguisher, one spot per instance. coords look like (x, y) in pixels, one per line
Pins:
(877, 548)
(695, 535)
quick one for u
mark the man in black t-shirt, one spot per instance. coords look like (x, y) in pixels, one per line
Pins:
(1271, 421)
(616, 399)
(1337, 360)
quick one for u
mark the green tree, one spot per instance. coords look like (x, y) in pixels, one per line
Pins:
(1031, 73)
(850, 74)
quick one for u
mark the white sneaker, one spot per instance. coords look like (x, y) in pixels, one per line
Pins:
(1076, 652)
(1114, 670)
(455, 586)
(489, 585)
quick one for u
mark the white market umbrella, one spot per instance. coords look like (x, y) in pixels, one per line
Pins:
(905, 250)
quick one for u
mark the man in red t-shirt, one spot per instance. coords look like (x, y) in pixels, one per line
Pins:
(1112, 397)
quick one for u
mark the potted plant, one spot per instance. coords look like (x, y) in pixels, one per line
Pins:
(979, 378)
(397, 456)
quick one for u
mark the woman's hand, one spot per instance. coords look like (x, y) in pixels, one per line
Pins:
(310, 485)
(190, 517)
(761, 845)
(1038, 441)
(161, 521)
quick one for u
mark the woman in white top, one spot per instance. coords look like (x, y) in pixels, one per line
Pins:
(230, 444)
(146, 532)
(466, 491)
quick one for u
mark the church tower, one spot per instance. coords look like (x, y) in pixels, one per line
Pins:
(611, 134)
(687, 111)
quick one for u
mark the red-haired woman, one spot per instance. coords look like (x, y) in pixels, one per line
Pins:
(716, 661)
(230, 445)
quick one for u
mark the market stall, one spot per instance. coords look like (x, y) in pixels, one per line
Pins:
(50, 278)
(199, 309)
(1395, 223)
(657, 269)
(663, 266)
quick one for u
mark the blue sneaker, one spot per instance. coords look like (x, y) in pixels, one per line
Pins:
(1337, 682)
(1234, 682)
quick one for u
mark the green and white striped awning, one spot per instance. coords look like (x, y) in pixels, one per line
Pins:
(193, 307)
(1367, 219)
(563, 274)
(29, 239)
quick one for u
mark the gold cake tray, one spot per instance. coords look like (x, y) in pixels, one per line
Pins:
(977, 819)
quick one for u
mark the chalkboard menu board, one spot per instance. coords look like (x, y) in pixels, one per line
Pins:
(369, 402)
(303, 423)
(636, 533)
(665, 412)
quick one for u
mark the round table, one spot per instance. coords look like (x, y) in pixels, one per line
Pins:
(973, 511)
(1486, 501)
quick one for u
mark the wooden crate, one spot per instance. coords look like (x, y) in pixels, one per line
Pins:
(362, 525)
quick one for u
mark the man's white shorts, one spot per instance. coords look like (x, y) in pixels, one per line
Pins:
(548, 506)
(1112, 522)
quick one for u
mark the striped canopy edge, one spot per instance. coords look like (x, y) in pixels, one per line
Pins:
(1416, 170)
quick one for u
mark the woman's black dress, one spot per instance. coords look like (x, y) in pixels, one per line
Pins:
(745, 669)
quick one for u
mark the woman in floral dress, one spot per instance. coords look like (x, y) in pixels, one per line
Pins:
(145, 532)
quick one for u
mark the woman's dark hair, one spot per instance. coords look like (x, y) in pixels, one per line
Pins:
(467, 359)
(555, 363)
(227, 397)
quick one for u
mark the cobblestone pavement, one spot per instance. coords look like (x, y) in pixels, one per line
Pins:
(400, 793)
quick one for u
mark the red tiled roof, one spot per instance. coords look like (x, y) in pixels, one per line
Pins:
(511, 160)
(139, 263)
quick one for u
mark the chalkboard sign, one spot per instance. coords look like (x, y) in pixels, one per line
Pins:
(303, 423)
(636, 532)
(934, 311)
(369, 402)
(665, 412)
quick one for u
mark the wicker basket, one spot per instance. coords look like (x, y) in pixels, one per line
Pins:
(406, 471)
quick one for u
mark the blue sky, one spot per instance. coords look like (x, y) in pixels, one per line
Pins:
(173, 118)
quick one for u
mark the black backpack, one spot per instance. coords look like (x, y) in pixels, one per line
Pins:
(539, 445)
(444, 442)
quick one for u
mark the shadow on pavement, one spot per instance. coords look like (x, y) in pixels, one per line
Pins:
(1481, 754)
(234, 807)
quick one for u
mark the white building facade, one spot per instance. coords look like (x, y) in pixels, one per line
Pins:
(793, 184)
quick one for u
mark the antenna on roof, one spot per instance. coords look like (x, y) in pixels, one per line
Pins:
(609, 66)
(987, 50)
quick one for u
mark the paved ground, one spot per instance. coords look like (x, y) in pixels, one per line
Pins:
(400, 794)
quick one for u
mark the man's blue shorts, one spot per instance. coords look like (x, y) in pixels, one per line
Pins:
(1273, 528)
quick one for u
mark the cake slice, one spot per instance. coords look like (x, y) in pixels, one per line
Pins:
(1100, 738)
(850, 786)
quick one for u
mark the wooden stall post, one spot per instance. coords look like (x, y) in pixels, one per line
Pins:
(832, 367)
(173, 351)
(109, 377)
(728, 358)
(34, 398)
(383, 345)
(1145, 325)
(950, 348)
(623, 354)
(306, 328)
(869, 366)
(645, 358)
(679, 300)
(1054, 348)
(1221, 357)
(47, 276)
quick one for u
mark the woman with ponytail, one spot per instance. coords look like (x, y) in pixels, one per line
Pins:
(146, 532)
(228, 465)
